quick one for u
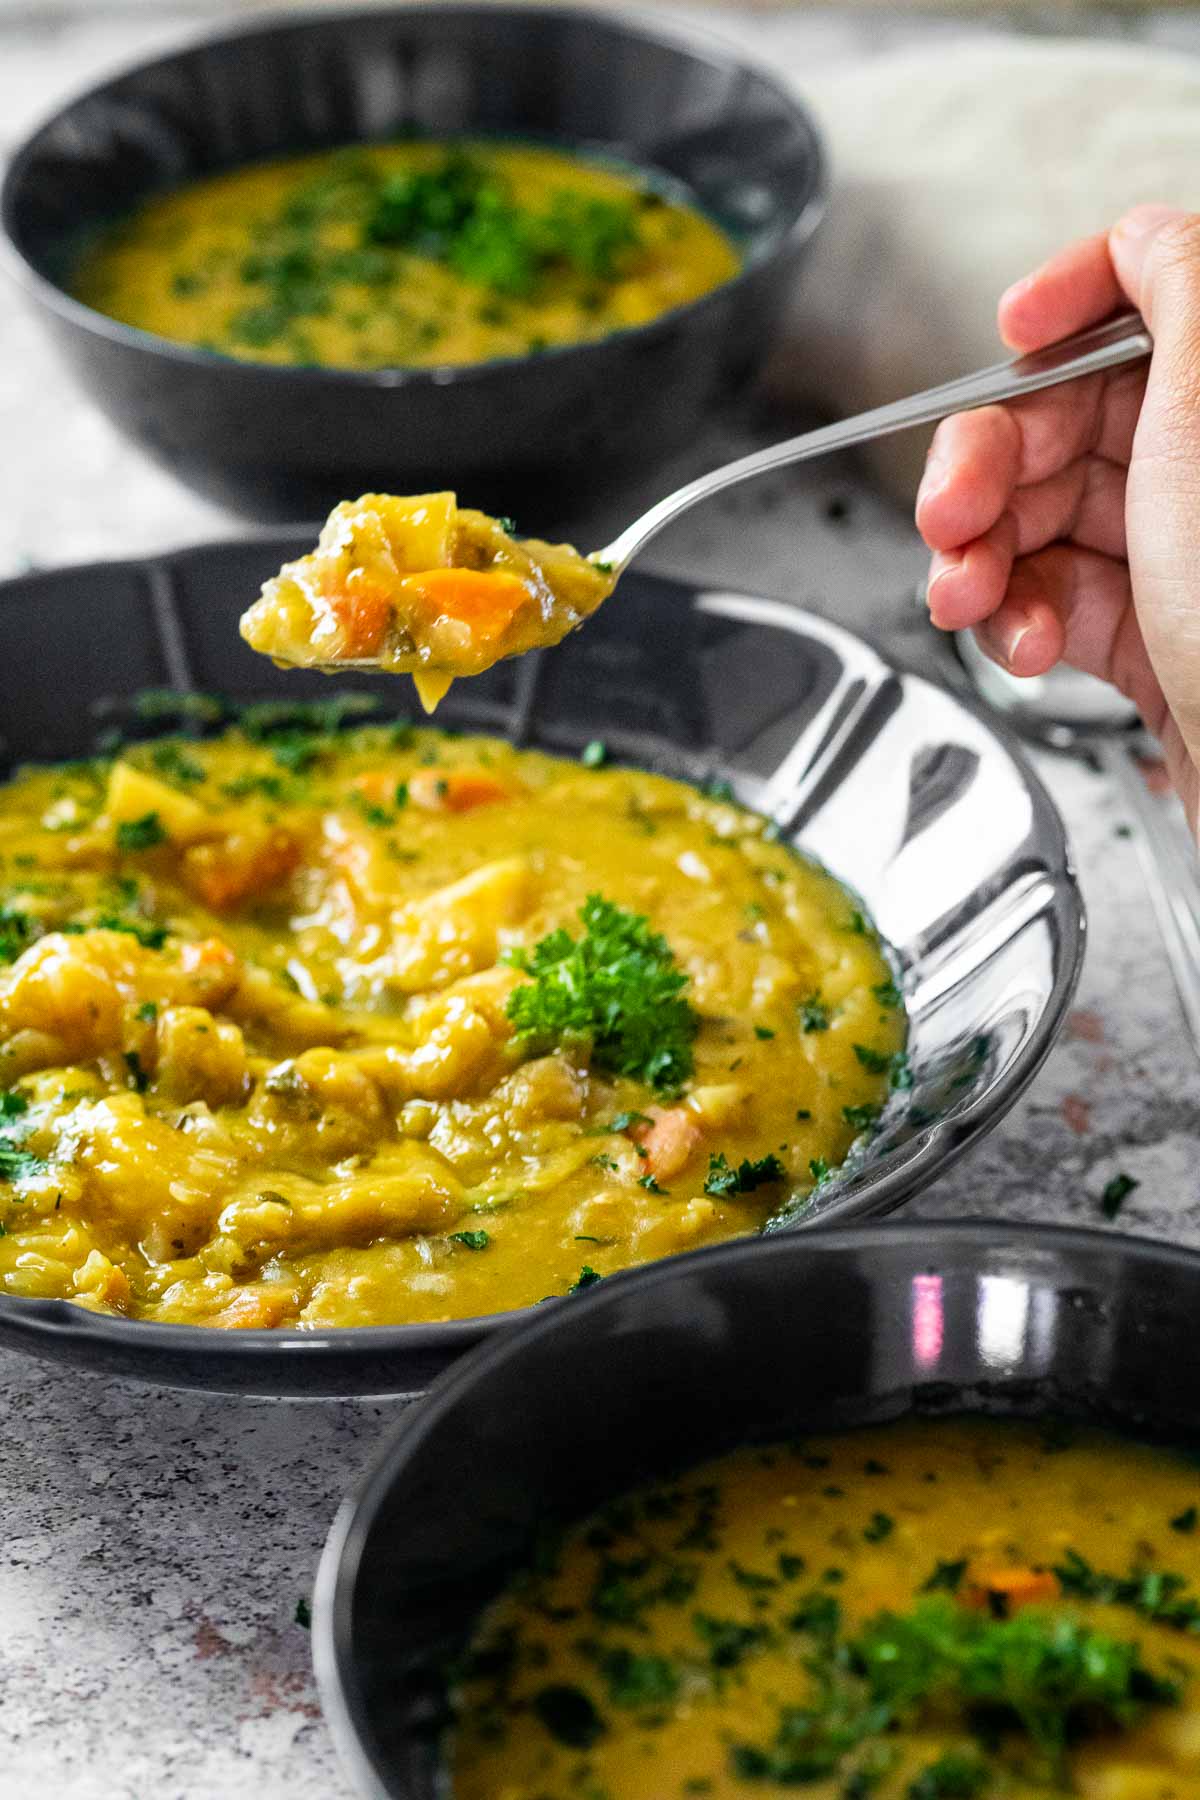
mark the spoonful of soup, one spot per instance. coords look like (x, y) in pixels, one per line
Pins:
(424, 587)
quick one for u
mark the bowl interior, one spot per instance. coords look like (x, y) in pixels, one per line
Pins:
(676, 1363)
(894, 784)
(742, 145)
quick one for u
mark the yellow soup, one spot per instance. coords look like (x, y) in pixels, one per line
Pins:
(424, 587)
(935, 1611)
(300, 1028)
(405, 254)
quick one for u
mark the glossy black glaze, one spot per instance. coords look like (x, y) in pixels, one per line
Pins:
(288, 443)
(894, 785)
(671, 1364)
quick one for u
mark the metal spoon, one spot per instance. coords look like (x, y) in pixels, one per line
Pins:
(1068, 711)
(1122, 339)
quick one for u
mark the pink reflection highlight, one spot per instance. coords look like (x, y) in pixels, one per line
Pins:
(928, 1320)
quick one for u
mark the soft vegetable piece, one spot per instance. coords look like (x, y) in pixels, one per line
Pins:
(289, 1035)
(748, 1629)
(424, 587)
(405, 254)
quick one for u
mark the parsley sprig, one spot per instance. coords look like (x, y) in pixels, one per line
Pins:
(617, 988)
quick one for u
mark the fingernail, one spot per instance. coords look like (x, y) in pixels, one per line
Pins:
(1016, 291)
(938, 573)
(1016, 638)
(935, 472)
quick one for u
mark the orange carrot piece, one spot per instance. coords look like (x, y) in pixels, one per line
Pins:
(363, 610)
(256, 1309)
(1014, 1587)
(226, 873)
(485, 600)
(670, 1140)
(455, 790)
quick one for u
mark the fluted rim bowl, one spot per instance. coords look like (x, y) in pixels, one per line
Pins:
(744, 1343)
(283, 442)
(920, 805)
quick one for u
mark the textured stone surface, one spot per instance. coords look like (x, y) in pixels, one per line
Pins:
(155, 1545)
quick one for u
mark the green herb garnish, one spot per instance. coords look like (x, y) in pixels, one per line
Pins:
(140, 834)
(617, 987)
(473, 1240)
(814, 1014)
(1116, 1193)
(723, 1181)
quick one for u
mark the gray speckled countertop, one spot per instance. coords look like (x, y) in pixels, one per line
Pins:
(155, 1545)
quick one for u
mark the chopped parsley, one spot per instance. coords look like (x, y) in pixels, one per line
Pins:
(649, 1183)
(947, 1576)
(881, 1525)
(618, 987)
(586, 1278)
(171, 760)
(818, 1168)
(1116, 1193)
(722, 1180)
(594, 755)
(1156, 1594)
(958, 1775)
(814, 1014)
(861, 1117)
(472, 1240)
(140, 834)
(1185, 1522)
(303, 1613)
(151, 937)
(16, 933)
(568, 1715)
(147, 1012)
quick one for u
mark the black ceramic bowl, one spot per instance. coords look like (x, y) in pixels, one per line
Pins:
(900, 788)
(675, 1363)
(288, 443)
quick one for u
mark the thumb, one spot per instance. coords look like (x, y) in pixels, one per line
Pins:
(1155, 253)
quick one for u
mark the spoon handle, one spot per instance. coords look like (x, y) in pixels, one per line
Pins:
(1171, 871)
(1120, 340)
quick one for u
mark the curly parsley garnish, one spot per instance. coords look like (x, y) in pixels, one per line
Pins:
(723, 1181)
(618, 987)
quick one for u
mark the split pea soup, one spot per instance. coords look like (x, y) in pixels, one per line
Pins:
(306, 1027)
(412, 254)
(950, 1610)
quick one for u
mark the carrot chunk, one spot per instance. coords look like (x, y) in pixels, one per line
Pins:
(485, 600)
(670, 1140)
(256, 1309)
(456, 790)
(1008, 1589)
(363, 612)
(239, 867)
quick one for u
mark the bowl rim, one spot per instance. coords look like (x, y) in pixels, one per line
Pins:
(36, 1325)
(637, 23)
(337, 1571)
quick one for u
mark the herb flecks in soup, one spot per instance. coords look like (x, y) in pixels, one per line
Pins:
(423, 587)
(317, 1029)
(405, 254)
(945, 1611)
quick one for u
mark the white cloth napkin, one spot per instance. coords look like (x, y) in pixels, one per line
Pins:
(955, 172)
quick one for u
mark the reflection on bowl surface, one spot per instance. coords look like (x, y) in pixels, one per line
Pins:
(918, 1553)
(878, 776)
(289, 442)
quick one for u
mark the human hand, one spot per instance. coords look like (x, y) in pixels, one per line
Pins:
(1066, 526)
